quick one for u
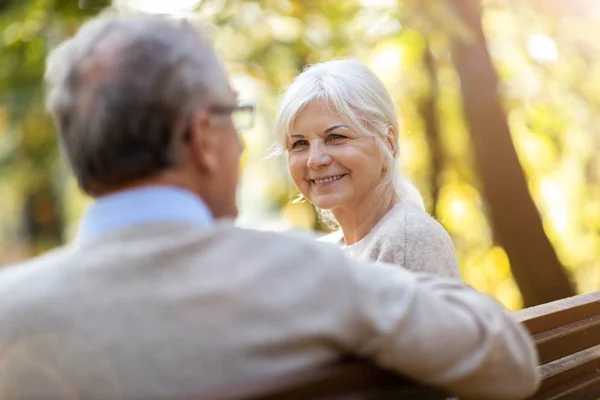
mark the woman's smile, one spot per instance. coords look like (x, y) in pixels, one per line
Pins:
(327, 181)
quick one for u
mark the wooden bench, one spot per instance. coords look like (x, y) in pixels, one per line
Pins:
(567, 336)
(566, 333)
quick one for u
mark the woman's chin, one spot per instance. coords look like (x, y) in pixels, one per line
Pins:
(327, 202)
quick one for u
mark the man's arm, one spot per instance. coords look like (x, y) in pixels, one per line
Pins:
(440, 332)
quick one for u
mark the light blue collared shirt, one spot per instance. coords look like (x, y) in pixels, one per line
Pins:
(138, 206)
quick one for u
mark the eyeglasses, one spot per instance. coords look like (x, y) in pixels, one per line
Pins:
(241, 115)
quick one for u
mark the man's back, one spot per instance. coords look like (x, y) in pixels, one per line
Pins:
(163, 310)
(171, 310)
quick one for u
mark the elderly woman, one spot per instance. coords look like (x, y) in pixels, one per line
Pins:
(339, 127)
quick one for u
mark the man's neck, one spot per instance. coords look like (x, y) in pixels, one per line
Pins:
(356, 222)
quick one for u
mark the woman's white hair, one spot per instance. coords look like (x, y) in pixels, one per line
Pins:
(361, 99)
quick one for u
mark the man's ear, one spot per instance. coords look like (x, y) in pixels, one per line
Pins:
(204, 142)
(392, 139)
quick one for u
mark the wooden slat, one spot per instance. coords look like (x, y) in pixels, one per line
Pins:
(586, 387)
(564, 340)
(575, 375)
(558, 313)
(563, 327)
(347, 381)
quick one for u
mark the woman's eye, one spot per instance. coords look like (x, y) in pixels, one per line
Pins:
(299, 143)
(335, 136)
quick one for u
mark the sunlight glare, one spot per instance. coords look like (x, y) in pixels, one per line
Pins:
(557, 207)
(171, 7)
(542, 48)
(379, 4)
(386, 61)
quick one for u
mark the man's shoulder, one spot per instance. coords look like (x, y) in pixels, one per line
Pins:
(288, 243)
(335, 237)
(189, 247)
(25, 276)
(34, 264)
(223, 237)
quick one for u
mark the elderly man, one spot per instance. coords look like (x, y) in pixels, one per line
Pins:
(155, 299)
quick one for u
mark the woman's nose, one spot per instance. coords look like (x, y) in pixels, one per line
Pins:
(317, 157)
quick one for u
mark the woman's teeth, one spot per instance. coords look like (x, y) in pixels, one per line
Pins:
(329, 179)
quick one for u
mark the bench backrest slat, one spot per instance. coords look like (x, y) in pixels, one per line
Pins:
(559, 313)
(576, 375)
(567, 336)
(565, 340)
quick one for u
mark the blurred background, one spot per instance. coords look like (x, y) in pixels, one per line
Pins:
(500, 103)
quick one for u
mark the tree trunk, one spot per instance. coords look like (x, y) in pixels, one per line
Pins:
(428, 111)
(516, 222)
(43, 223)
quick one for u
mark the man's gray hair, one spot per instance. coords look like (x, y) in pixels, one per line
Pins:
(122, 91)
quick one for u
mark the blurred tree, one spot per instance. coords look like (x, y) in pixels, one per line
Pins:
(30, 156)
(514, 217)
(429, 113)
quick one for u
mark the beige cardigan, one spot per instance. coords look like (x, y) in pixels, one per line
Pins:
(406, 236)
(170, 310)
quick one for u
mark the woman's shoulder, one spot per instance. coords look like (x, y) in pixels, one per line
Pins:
(386, 240)
(419, 222)
(428, 244)
(393, 223)
(422, 230)
(409, 236)
(405, 223)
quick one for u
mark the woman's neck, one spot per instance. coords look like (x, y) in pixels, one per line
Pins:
(356, 222)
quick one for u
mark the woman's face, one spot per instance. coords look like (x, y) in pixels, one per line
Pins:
(331, 164)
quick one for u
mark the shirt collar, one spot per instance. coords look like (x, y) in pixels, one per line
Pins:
(144, 205)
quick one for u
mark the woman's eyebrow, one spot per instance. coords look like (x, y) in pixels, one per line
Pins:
(333, 128)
